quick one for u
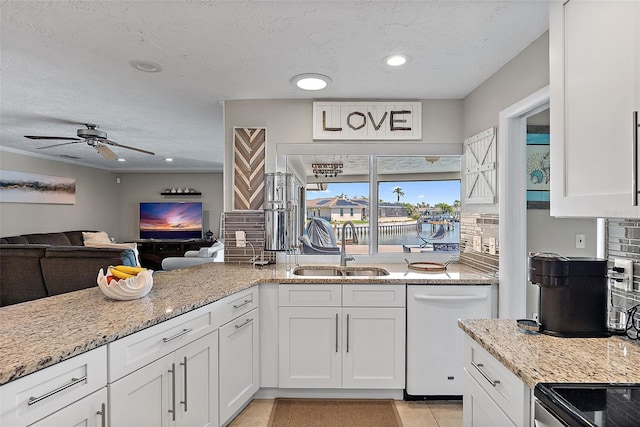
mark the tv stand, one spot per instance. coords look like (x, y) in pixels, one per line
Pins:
(153, 251)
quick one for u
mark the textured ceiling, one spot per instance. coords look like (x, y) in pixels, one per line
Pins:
(65, 63)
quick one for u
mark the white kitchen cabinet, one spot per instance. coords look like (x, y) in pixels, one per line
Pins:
(434, 341)
(179, 389)
(345, 344)
(479, 410)
(595, 89)
(90, 411)
(493, 395)
(373, 348)
(310, 347)
(39, 395)
(239, 363)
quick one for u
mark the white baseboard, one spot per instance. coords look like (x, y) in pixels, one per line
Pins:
(272, 393)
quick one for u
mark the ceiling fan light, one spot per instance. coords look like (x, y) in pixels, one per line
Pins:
(311, 81)
(120, 159)
(168, 159)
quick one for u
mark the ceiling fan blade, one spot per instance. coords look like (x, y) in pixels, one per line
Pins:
(58, 145)
(106, 152)
(58, 138)
(106, 141)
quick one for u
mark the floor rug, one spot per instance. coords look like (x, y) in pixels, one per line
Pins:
(334, 413)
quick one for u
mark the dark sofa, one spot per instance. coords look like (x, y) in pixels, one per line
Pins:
(35, 266)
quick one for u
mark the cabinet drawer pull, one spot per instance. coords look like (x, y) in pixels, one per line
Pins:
(103, 415)
(450, 297)
(178, 335)
(634, 160)
(479, 367)
(246, 322)
(247, 301)
(74, 381)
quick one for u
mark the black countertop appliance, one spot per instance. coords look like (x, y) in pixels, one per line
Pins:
(573, 294)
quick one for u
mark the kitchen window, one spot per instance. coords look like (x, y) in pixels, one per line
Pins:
(398, 204)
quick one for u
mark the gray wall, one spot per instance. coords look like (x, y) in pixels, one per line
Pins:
(146, 187)
(96, 199)
(290, 122)
(519, 78)
(101, 203)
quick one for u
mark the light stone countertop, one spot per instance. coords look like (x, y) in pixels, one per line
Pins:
(40, 333)
(538, 358)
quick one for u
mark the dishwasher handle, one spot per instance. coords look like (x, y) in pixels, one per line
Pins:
(450, 297)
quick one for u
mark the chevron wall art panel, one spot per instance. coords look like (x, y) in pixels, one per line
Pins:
(249, 146)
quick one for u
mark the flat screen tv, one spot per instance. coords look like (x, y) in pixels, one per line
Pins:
(171, 220)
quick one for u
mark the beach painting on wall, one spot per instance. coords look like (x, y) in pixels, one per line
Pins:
(22, 187)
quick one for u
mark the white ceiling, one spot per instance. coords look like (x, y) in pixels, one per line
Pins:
(65, 63)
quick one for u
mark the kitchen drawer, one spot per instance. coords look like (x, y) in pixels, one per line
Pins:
(374, 295)
(310, 295)
(509, 392)
(137, 350)
(236, 305)
(31, 398)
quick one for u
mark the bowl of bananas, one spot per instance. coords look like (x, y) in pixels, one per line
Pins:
(122, 282)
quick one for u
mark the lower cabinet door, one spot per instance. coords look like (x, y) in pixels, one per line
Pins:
(239, 363)
(197, 382)
(310, 347)
(144, 397)
(90, 411)
(373, 353)
(478, 409)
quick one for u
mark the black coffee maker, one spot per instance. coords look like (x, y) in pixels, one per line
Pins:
(573, 294)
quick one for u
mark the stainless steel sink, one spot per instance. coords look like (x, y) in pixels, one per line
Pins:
(324, 271)
(310, 270)
(364, 271)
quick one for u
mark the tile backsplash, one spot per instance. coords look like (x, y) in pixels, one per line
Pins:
(252, 223)
(479, 241)
(623, 242)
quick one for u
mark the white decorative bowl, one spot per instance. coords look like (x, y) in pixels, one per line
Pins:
(126, 289)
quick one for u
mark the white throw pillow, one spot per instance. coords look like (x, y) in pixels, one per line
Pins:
(95, 238)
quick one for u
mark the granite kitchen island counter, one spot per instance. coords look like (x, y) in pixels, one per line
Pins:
(538, 358)
(40, 333)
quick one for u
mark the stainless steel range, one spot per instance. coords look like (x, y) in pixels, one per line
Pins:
(578, 405)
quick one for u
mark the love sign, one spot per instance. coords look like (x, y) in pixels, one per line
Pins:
(367, 120)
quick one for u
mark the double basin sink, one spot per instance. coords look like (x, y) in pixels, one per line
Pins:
(331, 271)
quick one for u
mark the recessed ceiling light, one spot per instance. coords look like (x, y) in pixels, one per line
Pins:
(120, 159)
(395, 60)
(146, 66)
(168, 159)
(311, 81)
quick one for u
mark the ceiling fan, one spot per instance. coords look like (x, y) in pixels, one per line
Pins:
(93, 137)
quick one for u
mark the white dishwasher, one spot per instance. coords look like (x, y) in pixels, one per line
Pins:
(434, 340)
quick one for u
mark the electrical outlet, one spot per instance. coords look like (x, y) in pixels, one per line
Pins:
(492, 245)
(627, 283)
(534, 316)
(241, 239)
(580, 244)
(477, 243)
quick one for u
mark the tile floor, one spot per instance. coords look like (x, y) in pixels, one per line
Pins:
(434, 413)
